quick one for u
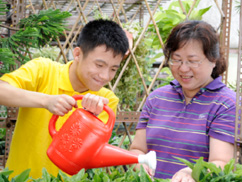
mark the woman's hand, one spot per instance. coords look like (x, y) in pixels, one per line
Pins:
(149, 171)
(183, 175)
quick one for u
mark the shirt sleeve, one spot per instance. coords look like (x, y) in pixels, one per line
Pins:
(25, 77)
(145, 114)
(223, 125)
(113, 104)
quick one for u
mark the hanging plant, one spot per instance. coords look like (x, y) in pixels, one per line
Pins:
(168, 18)
(130, 86)
(34, 32)
(51, 52)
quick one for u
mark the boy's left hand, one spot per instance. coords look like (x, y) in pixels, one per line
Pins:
(94, 103)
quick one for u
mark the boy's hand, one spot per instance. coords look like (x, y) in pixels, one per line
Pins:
(60, 104)
(94, 103)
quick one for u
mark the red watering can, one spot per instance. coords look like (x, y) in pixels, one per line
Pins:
(82, 142)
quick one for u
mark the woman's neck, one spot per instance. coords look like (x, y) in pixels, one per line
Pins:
(188, 97)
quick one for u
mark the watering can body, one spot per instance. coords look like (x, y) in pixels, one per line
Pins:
(82, 142)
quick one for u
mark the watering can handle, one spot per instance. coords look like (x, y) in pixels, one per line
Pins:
(54, 118)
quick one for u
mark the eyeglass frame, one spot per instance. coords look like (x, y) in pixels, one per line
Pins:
(188, 63)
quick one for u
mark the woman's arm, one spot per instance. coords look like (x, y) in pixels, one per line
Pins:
(220, 153)
(139, 146)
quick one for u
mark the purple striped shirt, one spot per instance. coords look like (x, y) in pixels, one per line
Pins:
(176, 129)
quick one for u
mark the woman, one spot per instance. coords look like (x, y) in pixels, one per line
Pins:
(194, 116)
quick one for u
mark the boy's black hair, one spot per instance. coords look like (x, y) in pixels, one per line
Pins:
(103, 32)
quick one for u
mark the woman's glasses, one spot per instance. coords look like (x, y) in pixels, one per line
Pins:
(193, 64)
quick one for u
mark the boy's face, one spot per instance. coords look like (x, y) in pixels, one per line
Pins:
(96, 69)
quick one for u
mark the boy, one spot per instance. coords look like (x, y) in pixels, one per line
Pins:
(42, 87)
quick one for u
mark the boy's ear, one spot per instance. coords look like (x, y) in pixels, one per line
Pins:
(77, 53)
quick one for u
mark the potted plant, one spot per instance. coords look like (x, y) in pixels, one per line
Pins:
(35, 31)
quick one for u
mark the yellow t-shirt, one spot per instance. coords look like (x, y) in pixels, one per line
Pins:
(31, 137)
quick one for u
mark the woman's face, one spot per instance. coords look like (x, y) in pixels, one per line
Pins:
(192, 78)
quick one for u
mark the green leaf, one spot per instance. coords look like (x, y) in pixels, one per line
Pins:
(64, 176)
(206, 177)
(44, 18)
(6, 172)
(238, 173)
(1, 179)
(229, 167)
(189, 164)
(96, 178)
(143, 175)
(197, 15)
(3, 8)
(81, 175)
(24, 176)
(45, 175)
(106, 178)
(238, 167)
(212, 167)
(197, 170)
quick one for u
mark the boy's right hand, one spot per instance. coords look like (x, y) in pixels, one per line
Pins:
(94, 103)
(60, 104)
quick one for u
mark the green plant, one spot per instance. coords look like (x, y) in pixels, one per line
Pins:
(232, 85)
(130, 85)
(51, 52)
(114, 174)
(2, 140)
(49, 23)
(7, 57)
(172, 16)
(34, 32)
(203, 171)
(116, 139)
(237, 6)
(3, 7)
(164, 81)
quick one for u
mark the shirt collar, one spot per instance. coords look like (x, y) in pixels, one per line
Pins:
(214, 85)
(65, 83)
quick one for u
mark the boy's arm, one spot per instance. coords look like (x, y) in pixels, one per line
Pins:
(56, 104)
(16, 97)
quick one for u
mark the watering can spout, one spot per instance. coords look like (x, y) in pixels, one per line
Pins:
(149, 159)
(111, 155)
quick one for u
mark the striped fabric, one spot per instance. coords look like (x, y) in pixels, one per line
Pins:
(176, 129)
